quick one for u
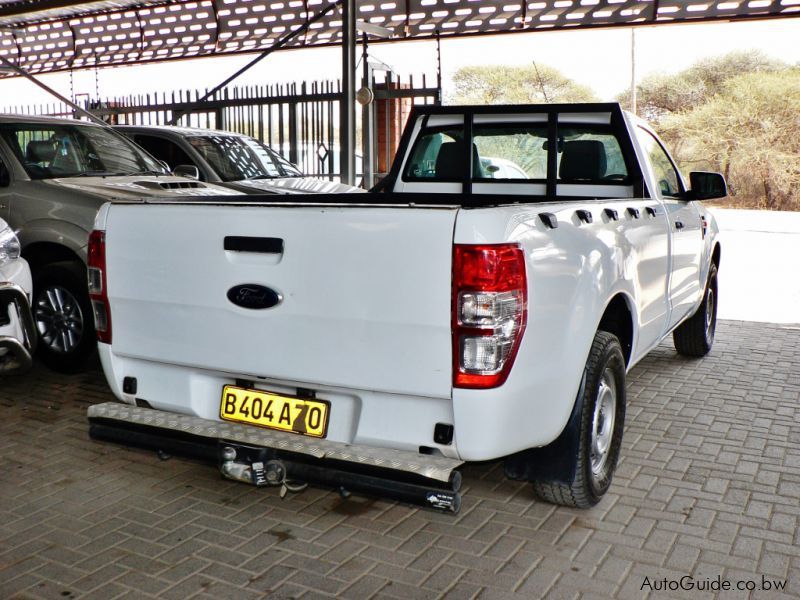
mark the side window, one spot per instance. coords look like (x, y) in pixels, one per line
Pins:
(437, 155)
(666, 175)
(165, 150)
(46, 152)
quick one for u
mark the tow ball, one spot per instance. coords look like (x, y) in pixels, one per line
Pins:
(260, 472)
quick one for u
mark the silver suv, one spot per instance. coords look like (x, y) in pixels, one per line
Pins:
(54, 176)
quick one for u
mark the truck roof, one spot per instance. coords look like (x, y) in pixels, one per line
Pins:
(17, 118)
(583, 107)
(181, 131)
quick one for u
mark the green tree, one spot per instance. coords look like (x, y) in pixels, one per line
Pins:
(748, 131)
(529, 84)
(661, 95)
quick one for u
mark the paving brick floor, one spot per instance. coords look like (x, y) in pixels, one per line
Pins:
(708, 485)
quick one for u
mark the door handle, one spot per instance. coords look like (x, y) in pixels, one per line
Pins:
(2, 207)
(678, 224)
(265, 245)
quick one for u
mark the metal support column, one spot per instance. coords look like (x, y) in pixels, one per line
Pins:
(347, 123)
(367, 118)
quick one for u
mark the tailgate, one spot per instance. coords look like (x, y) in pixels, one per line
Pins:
(365, 292)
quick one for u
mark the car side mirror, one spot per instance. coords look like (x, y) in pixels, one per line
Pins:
(5, 176)
(707, 186)
(189, 171)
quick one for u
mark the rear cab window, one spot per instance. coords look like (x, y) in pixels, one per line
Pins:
(511, 154)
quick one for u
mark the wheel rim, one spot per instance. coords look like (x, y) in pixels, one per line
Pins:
(605, 412)
(710, 300)
(59, 319)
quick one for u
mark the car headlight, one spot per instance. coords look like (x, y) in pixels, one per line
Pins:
(9, 246)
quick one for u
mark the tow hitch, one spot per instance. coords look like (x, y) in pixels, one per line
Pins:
(260, 467)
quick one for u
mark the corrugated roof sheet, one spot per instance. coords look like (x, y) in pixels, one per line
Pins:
(48, 35)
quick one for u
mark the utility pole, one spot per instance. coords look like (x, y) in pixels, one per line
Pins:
(633, 70)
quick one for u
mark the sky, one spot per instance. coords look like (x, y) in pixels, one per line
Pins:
(599, 58)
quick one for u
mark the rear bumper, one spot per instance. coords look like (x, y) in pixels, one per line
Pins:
(241, 451)
(18, 355)
(357, 418)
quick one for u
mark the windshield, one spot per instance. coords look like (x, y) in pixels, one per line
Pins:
(236, 158)
(288, 168)
(47, 151)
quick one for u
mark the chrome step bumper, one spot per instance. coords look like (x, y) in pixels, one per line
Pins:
(19, 355)
(407, 476)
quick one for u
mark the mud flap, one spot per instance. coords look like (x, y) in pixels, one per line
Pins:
(556, 461)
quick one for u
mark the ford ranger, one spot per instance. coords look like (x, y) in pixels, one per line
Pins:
(484, 302)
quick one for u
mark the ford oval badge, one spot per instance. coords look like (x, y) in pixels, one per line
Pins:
(254, 296)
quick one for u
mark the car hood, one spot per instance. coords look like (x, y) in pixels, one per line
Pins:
(125, 187)
(297, 185)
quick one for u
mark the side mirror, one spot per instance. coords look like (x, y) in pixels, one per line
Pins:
(707, 186)
(189, 171)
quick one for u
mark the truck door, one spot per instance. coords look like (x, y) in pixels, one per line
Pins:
(684, 221)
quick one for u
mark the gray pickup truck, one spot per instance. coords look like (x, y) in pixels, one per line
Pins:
(54, 175)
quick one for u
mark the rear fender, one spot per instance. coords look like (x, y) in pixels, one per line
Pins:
(574, 271)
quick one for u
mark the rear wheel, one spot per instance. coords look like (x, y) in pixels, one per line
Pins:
(695, 336)
(599, 423)
(63, 316)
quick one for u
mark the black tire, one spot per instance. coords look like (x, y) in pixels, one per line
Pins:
(695, 336)
(603, 387)
(66, 335)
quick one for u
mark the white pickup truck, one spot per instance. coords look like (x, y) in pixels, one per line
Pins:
(460, 312)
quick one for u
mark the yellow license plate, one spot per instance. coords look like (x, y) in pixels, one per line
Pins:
(274, 411)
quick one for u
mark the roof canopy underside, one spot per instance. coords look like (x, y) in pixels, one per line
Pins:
(51, 35)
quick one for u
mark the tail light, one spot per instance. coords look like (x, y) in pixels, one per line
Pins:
(98, 288)
(489, 311)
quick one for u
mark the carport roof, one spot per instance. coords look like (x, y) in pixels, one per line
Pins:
(53, 35)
